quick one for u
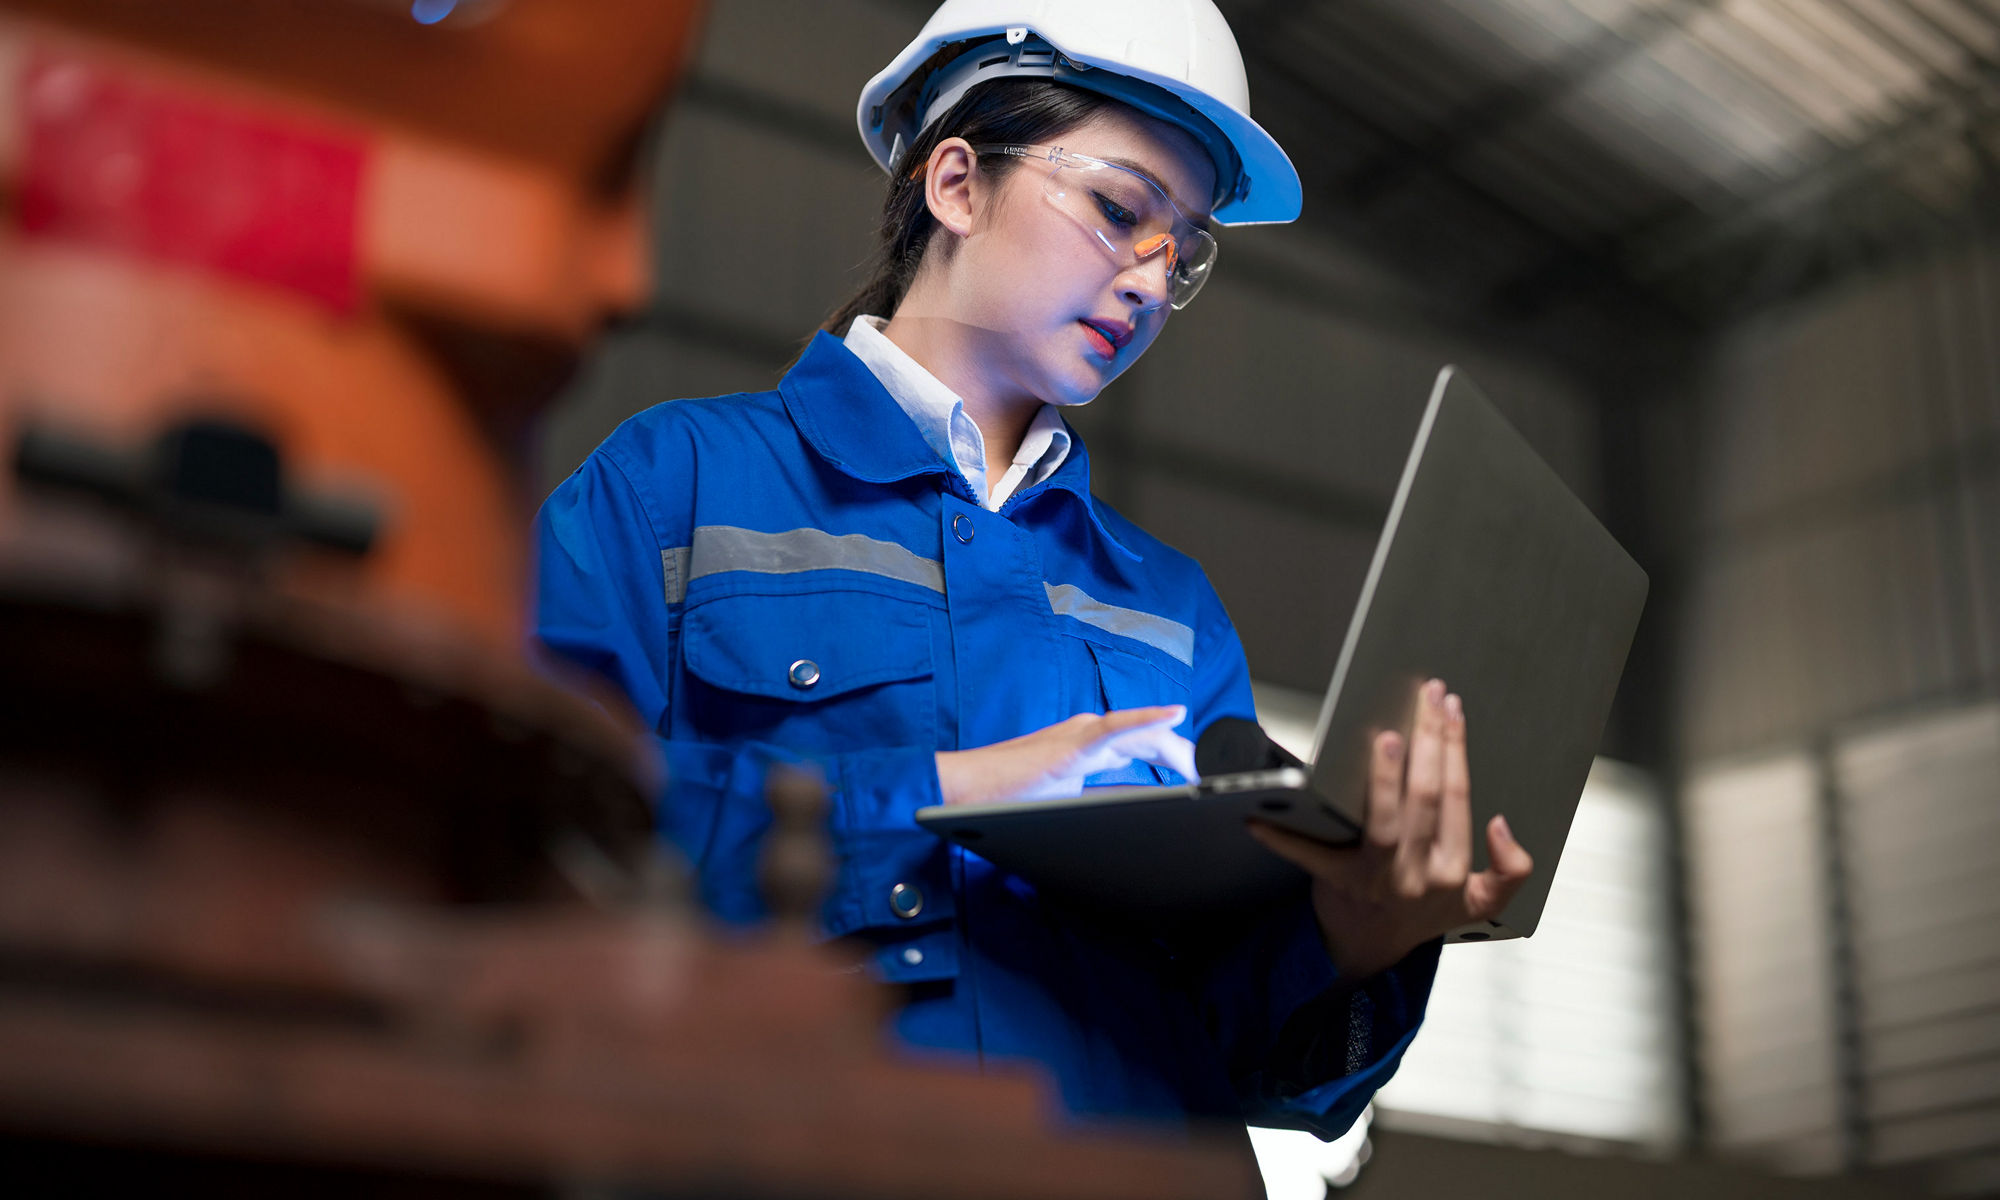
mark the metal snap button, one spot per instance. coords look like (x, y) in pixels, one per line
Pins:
(906, 900)
(961, 527)
(804, 673)
(913, 956)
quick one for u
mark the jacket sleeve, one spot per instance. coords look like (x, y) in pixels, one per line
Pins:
(1306, 1049)
(605, 555)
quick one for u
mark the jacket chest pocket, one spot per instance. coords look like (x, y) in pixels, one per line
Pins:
(1132, 680)
(816, 672)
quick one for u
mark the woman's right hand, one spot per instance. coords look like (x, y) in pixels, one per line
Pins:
(1053, 762)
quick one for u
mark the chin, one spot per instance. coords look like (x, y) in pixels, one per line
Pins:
(1084, 385)
(1073, 397)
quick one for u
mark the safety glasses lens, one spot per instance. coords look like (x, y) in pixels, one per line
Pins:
(1134, 221)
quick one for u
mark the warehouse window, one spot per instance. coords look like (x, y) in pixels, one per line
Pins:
(1919, 828)
(1848, 938)
(1763, 958)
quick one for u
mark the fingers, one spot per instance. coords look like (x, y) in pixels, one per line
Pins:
(1383, 823)
(1131, 733)
(1121, 720)
(1451, 858)
(1425, 787)
(1053, 761)
(1155, 744)
(1489, 891)
(1179, 757)
(1111, 741)
(1509, 857)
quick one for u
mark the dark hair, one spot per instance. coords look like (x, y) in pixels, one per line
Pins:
(1015, 111)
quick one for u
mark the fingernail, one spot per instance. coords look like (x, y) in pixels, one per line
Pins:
(1454, 706)
(1506, 830)
(1434, 692)
(1392, 747)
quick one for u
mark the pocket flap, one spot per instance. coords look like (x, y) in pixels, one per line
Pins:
(1129, 681)
(806, 646)
(1132, 681)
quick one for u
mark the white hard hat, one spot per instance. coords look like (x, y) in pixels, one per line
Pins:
(1171, 59)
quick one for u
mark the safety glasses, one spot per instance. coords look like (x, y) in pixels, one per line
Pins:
(1125, 213)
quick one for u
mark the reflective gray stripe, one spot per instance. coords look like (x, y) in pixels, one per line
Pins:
(1170, 636)
(719, 548)
(674, 565)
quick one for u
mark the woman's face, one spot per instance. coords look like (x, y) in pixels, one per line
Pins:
(1049, 313)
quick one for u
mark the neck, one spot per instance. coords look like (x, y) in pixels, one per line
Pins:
(953, 352)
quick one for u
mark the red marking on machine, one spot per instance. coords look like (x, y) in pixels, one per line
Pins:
(137, 169)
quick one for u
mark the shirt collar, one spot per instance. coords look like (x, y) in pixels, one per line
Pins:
(852, 421)
(931, 404)
(1045, 447)
(940, 414)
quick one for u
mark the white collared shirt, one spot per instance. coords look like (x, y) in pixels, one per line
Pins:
(940, 416)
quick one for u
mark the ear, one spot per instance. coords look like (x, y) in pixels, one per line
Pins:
(951, 184)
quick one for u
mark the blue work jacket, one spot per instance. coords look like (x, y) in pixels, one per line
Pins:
(796, 575)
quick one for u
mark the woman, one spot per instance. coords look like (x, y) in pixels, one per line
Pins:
(892, 566)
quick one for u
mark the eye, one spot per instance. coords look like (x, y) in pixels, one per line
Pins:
(1115, 211)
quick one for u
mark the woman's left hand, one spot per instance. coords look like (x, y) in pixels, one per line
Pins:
(1410, 878)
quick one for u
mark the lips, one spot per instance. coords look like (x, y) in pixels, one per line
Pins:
(1107, 337)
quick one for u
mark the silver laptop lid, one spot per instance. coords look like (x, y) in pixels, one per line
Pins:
(1486, 562)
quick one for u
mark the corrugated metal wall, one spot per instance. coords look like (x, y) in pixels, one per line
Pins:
(1849, 553)
(1842, 641)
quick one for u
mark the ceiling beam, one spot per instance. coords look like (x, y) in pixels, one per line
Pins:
(1513, 102)
(1509, 222)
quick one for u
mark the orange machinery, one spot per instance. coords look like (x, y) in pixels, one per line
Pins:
(303, 888)
(381, 242)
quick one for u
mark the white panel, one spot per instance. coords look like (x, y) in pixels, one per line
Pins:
(1956, 994)
(1763, 960)
(1899, 1047)
(1961, 1084)
(1920, 822)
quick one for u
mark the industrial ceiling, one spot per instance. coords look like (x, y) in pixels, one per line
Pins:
(1679, 160)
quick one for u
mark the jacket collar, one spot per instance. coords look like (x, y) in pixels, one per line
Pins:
(851, 421)
(1073, 476)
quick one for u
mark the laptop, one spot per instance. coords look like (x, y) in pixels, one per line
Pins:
(1489, 574)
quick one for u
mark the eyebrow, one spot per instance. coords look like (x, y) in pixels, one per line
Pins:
(1143, 172)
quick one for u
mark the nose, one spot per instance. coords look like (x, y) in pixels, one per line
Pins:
(1144, 283)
